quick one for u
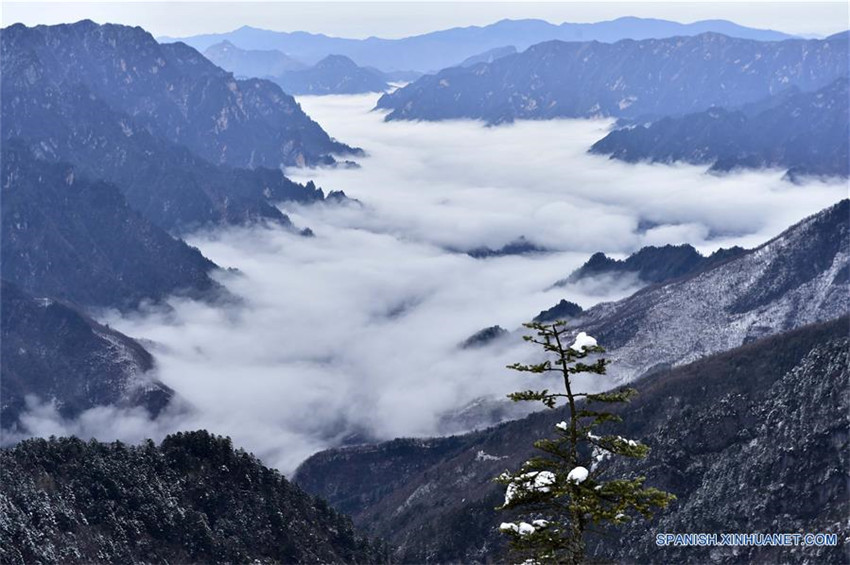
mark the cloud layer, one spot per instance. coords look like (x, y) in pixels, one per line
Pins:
(354, 334)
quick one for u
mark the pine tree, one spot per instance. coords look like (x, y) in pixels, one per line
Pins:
(565, 490)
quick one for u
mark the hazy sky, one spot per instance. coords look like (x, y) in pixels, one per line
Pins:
(398, 19)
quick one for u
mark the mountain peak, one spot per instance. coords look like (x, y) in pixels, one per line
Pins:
(651, 264)
(225, 44)
(336, 62)
(335, 74)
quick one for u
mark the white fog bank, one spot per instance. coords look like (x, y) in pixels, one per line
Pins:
(354, 334)
(459, 183)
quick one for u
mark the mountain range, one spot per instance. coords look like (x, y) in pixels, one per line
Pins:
(112, 144)
(807, 133)
(170, 90)
(180, 162)
(750, 440)
(693, 306)
(440, 49)
(656, 77)
(652, 264)
(720, 352)
(69, 244)
(334, 74)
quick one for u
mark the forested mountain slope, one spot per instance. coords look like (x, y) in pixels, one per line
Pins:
(69, 237)
(186, 143)
(171, 90)
(191, 499)
(627, 79)
(751, 440)
(800, 277)
(55, 354)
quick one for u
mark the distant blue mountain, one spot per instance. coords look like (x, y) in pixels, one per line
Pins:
(335, 74)
(251, 64)
(441, 49)
(627, 79)
(807, 133)
(488, 56)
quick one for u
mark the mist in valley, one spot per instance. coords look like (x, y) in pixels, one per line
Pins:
(354, 334)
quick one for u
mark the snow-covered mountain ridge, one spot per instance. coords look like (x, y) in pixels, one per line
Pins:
(798, 278)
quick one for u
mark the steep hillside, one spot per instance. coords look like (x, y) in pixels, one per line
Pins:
(72, 238)
(807, 133)
(752, 440)
(173, 91)
(798, 278)
(143, 128)
(56, 353)
(192, 499)
(625, 79)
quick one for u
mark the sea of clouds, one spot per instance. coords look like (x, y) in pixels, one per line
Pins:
(354, 334)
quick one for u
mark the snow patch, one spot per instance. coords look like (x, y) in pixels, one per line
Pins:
(583, 340)
(523, 528)
(535, 481)
(578, 475)
(484, 456)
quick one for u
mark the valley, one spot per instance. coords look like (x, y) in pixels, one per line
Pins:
(279, 296)
(359, 360)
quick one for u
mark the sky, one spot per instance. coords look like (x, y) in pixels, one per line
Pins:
(400, 19)
(356, 332)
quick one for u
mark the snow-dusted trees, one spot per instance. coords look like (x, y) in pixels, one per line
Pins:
(565, 490)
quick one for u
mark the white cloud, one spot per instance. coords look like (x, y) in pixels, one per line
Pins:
(354, 333)
(459, 183)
